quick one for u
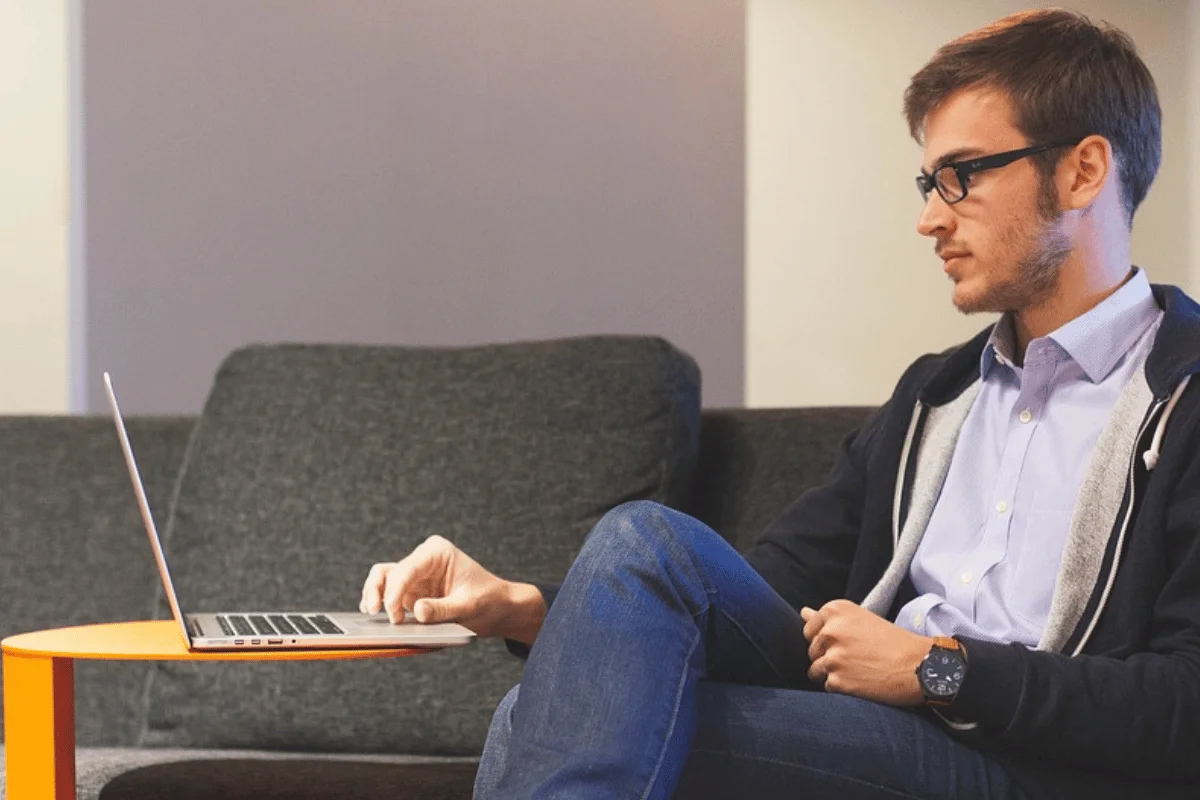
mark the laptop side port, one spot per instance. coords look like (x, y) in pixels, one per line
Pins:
(274, 641)
(239, 641)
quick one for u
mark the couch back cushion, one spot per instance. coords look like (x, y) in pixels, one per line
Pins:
(311, 463)
(753, 464)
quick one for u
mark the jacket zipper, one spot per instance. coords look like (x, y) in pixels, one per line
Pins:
(1116, 562)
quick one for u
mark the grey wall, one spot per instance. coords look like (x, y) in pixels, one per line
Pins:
(409, 172)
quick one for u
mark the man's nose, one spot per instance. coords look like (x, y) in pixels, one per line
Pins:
(936, 217)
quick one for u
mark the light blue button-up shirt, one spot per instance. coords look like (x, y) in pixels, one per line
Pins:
(987, 564)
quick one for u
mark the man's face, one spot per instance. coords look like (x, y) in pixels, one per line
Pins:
(1003, 244)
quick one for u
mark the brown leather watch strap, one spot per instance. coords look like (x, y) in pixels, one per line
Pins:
(949, 643)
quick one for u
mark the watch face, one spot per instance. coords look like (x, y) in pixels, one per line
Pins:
(942, 673)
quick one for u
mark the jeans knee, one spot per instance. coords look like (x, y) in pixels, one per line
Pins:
(631, 515)
(631, 521)
(646, 526)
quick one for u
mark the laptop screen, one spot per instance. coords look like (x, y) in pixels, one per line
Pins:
(144, 505)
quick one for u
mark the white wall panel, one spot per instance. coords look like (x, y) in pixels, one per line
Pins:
(33, 206)
(841, 291)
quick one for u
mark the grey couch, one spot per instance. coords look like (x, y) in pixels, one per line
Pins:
(309, 463)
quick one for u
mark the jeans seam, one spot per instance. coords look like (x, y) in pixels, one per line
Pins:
(750, 639)
(662, 753)
(793, 765)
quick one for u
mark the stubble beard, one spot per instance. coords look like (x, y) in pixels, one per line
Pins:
(1037, 268)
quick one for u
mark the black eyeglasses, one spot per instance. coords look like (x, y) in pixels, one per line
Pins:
(951, 179)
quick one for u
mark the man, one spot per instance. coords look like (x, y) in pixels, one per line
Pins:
(997, 594)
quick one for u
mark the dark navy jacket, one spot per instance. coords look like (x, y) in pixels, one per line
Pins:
(1119, 719)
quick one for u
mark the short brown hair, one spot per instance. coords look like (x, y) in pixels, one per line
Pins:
(1067, 78)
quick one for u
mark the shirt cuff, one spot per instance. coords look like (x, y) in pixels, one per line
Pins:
(914, 616)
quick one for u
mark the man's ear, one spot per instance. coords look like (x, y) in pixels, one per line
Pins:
(1083, 173)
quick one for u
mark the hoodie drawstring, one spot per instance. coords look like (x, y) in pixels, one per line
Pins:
(1151, 455)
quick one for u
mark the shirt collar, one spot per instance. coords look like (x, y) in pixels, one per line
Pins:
(999, 348)
(1097, 339)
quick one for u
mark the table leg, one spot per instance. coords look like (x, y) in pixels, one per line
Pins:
(39, 727)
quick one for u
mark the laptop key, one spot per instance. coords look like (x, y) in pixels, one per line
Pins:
(302, 624)
(226, 628)
(324, 624)
(281, 624)
(261, 625)
(240, 625)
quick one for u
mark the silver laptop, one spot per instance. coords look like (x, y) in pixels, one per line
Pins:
(276, 630)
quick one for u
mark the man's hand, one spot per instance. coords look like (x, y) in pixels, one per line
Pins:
(858, 653)
(440, 583)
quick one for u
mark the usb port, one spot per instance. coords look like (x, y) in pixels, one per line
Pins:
(256, 641)
(274, 641)
(239, 641)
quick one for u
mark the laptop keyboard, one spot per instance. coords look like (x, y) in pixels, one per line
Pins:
(276, 624)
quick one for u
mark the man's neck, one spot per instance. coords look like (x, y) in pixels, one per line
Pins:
(1077, 292)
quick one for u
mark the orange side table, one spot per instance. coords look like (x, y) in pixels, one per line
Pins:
(39, 691)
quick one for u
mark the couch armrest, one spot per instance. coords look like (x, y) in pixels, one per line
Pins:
(72, 546)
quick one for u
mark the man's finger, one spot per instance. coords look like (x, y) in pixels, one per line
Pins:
(394, 586)
(817, 671)
(818, 646)
(398, 579)
(401, 578)
(372, 593)
(413, 592)
(451, 608)
(839, 606)
(813, 622)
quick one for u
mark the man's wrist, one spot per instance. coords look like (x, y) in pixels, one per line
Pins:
(528, 611)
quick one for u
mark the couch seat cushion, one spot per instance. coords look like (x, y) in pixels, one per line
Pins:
(311, 463)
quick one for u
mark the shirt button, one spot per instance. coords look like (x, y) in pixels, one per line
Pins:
(1026, 416)
(1001, 507)
(966, 577)
(918, 619)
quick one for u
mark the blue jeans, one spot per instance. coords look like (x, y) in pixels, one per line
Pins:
(668, 667)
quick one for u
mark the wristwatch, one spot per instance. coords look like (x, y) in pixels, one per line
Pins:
(942, 670)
